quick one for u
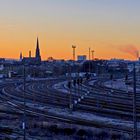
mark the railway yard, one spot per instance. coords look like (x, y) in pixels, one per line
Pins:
(91, 109)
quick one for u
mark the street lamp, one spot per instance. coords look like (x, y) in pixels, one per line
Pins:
(134, 105)
(89, 60)
(24, 116)
(74, 72)
(69, 86)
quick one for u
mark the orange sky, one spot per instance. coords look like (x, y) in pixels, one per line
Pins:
(102, 26)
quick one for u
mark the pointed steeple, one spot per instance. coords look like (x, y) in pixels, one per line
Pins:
(37, 44)
(38, 51)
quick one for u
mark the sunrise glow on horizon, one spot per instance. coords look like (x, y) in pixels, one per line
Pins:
(108, 27)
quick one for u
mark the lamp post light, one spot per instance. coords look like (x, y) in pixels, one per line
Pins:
(89, 61)
(134, 105)
(24, 116)
(69, 86)
(74, 72)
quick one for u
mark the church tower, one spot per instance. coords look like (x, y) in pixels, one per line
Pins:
(38, 57)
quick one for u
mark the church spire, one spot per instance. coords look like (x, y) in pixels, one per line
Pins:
(38, 51)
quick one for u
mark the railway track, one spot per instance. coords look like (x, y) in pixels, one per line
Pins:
(43, 93)
(108, 104)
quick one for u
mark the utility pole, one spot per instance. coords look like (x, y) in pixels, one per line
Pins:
(134, 106)
(92, 54)
(73, 47)
(24, 117)
(89, 53)
(89, 59)
(69, 86)
(73, 71)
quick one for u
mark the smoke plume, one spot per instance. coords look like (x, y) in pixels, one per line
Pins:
(131, 49)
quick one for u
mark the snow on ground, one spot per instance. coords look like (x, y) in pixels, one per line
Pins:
(39, 79)
(91, 83)
(61, 86)
(86, 116)
(89, 117)
(119, 84)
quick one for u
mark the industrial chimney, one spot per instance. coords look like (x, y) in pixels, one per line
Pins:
(30, 55)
